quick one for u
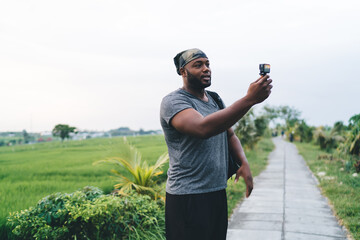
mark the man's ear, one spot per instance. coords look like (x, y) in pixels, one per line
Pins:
(182, 72)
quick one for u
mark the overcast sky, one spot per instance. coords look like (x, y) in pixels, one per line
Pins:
(100, 65)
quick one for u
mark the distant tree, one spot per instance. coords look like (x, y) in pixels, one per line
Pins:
(289, 114)
(26, 136)
(261, 124)
(141, 131)
(63, 131)
(304, 131)
(270, 113)
(122, 131)
(12, 142)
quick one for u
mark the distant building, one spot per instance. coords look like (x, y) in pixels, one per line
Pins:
(45, 133)
(88, 135)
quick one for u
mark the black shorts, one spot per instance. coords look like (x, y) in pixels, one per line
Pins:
(196, 216)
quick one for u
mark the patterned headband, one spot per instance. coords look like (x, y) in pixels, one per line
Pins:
(184, 57)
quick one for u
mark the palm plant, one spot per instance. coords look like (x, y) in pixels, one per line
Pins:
(327, 140)
(245, 129)
(136, 174)
(304, 131)
(352, 143)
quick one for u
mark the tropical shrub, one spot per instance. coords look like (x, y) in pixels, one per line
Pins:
(261, 125)
(250, 128)
(352, 142)
(327, 140)
(245, 129)
(354, 136)
(339, 128)
(137, 174)
(304, 131)
(88, 214)
(357, 166)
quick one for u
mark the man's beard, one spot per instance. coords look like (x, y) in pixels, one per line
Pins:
(196, 82)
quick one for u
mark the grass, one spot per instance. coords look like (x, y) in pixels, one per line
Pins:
(30, 172)
(338, 185)
(257, 159)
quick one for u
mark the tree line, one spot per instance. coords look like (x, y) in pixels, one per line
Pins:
(341, 139)
(341, 136)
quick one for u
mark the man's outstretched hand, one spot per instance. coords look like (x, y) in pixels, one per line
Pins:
(260, 89)
(244, 171)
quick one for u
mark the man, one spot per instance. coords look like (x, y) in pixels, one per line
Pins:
(199, 139)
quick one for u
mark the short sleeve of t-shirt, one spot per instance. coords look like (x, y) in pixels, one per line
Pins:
(173, 104)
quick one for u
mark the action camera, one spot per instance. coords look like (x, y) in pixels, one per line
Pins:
(264, 69)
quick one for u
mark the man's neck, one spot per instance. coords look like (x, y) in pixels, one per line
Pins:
(199, 93)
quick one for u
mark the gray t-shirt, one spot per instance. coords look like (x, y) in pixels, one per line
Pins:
(196, 165)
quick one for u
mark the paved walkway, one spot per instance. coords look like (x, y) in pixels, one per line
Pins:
(285, 203)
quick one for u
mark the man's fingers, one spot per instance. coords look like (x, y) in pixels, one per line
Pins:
(248, 191)
(268, 82)
(249, 185)
(247, 179)
(262, 78)
(257, 80)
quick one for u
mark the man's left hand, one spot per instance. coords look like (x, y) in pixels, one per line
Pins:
(244, 171)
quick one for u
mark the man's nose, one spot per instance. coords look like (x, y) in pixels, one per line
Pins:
(206, 69)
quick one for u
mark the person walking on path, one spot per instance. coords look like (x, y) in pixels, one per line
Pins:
(199, 139)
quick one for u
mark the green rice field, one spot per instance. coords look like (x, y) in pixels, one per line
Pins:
(31, 172)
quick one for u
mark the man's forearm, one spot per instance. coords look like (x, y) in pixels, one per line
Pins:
(224, 119)
(236, 150)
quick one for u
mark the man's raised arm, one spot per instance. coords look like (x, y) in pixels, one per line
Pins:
(191, 122)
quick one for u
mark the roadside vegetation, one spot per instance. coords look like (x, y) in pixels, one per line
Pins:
(89, 214)
(133, 173)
